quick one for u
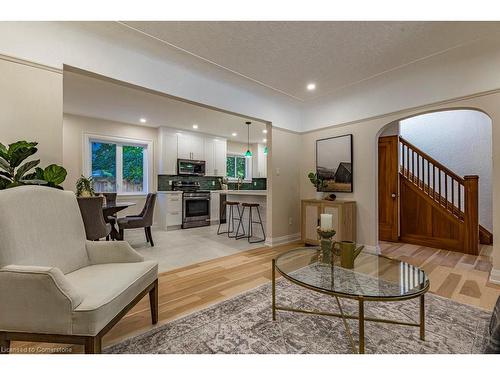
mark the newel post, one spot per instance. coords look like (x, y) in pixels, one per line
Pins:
(471, 218)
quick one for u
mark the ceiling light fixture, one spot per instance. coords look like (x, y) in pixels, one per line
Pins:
(248, 154)
(311, 86)
(195, 126)
(234, 134)
(142, 120)
(264, 131)
(264, 140)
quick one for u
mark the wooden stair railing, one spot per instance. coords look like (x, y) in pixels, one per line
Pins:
(458, 196)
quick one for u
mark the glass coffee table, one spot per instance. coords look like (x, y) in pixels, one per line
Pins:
(373, 278)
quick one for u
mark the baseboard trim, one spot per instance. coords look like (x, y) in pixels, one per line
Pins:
(495, 276)
(372, 249)
(283, 240)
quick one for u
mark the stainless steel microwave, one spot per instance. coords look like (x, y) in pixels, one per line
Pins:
(188, 167)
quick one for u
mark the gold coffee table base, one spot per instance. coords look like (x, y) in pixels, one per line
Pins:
(361, 310)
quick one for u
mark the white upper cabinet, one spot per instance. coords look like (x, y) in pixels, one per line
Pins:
(190, 146)
(215, 156)
(174, 145)
(260, 162)
(209, 157)
(168, 151)
(220, 157)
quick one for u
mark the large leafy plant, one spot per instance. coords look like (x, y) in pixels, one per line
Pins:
(13, 172)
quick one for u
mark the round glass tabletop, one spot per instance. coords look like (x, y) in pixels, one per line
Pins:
(373, 276)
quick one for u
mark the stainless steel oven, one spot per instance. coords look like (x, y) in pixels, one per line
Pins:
(187, 167)
(195, 209)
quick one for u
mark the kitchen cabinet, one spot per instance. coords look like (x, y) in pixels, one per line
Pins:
(259, 162)
(168, 151)
(190, 146)
(343, 217)
(170, 205)
(214, 207)
(215, 156)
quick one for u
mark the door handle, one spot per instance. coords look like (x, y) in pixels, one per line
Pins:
(393, 196)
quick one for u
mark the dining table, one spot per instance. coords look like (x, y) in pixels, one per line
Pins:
(109, 211)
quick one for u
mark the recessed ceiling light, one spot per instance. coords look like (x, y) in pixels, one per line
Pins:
(264, 140)
(311, 86)
(195, 126)
(234, 134)
(143, 120)
(264, 131)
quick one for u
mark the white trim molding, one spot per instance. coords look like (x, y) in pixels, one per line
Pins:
(283, 240)
(372, 249)
(148, 161)
(495, 276)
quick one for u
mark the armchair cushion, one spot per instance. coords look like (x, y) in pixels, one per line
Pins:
(37, 299)
(101, 252)
(108, 288)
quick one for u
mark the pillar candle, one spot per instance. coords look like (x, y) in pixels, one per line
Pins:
(326, 221)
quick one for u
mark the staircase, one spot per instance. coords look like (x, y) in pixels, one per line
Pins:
(438, 207)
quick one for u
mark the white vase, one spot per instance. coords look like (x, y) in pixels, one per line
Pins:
(319, 195)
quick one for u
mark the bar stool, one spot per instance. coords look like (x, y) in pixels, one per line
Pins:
(250, 223)
(231, 218)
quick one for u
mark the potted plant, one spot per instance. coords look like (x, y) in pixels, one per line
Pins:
(14, 173)
(85, 187)
(318, 182)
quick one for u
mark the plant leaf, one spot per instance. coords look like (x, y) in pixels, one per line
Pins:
(20, 154)
(14, 147)
(4, 152)
(54, 174)
(21, 171)
(4, 164)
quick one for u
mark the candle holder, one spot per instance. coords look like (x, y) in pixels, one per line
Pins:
(326, 245)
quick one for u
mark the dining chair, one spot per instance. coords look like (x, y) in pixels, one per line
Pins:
(143, 220)
(93, 218)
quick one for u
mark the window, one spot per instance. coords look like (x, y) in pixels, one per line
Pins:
(238, 166)
(118, 166)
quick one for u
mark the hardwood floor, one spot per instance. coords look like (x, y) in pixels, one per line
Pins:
(463, 278)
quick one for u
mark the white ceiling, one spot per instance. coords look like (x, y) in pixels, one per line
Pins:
(93, 97)
(285, 56)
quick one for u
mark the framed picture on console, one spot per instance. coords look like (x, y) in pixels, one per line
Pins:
(334, 163)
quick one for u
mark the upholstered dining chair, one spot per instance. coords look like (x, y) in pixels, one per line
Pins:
(56, 286)
(143, 220)
(93, 219)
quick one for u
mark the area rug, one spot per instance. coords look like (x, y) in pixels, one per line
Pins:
(243, 324)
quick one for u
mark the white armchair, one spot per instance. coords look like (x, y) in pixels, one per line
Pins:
(55, 286)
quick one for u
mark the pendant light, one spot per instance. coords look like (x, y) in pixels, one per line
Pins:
(248, 154)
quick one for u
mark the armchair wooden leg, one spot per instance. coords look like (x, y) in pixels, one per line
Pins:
(120, 235)
(148, 230)
(93, 345)
(4, 344)
(153, 303)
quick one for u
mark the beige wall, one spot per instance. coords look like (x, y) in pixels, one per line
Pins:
(365, 163)
(282, 179)
(31, 108)
(74, 128)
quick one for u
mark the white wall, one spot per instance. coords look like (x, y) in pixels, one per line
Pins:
(31, 109)
(74, 128)
(461, 140)
(114, 51)
(458, 72)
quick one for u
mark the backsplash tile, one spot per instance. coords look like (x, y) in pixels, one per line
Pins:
(209, 183)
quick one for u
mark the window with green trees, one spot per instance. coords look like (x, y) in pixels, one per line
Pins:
(117, 167)
(237, 167)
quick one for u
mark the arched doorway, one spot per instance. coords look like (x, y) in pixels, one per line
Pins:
(427, 193)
